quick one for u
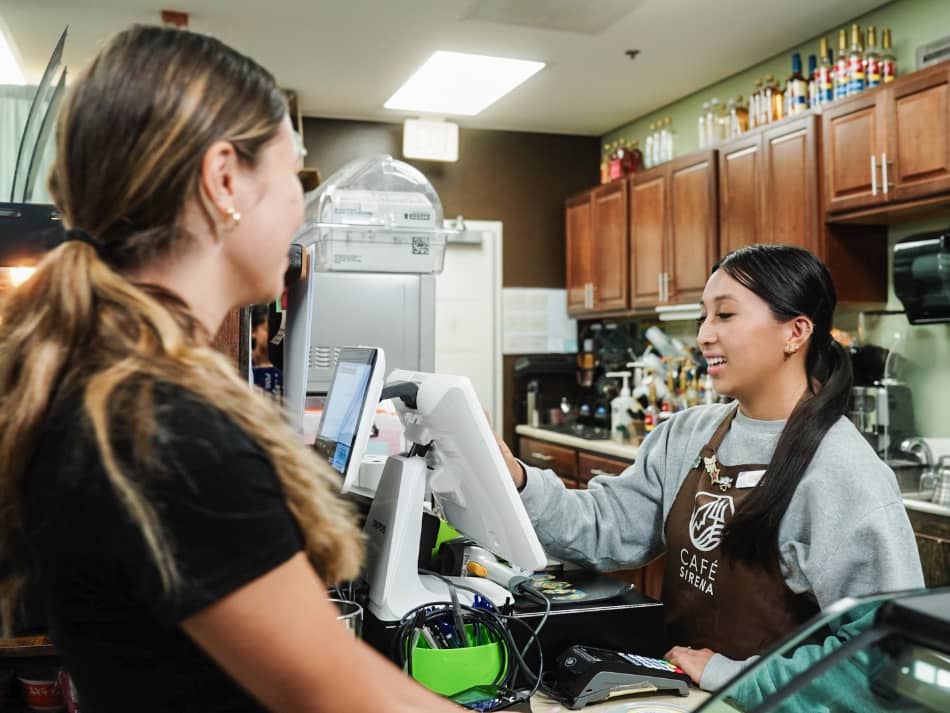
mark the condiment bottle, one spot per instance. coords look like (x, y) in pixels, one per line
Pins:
(872, 60)
(888, 63)
(856, 82)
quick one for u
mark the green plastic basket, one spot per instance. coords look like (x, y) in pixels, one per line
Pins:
(450, 671)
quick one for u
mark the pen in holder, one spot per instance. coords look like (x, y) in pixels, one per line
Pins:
(451, 670)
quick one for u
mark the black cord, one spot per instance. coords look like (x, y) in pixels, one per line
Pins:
(495, 623)
(529, 591)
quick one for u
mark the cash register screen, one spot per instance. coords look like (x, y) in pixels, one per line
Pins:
(347, 410)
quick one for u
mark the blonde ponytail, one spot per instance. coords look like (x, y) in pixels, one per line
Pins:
(80, 324)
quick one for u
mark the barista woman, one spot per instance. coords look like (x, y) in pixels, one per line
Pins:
(181, 537)
(769, 508)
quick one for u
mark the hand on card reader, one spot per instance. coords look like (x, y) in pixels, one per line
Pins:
(587, 675)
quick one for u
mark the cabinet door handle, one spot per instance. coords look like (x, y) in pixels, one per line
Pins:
(541, 456)
(593, 287)
(659, 287)
(884, 183)
(666, 287)
(873, 175)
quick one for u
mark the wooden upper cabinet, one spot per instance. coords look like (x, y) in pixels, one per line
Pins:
(740, 188)
(887, 146)
(853, 132)
(790, 213)
(693, 234)
(609, 247)
(648, 217)
(918, 145)
(578, 241)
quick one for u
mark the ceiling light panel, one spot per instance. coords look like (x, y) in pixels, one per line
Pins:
(459, 83)
(10, 70)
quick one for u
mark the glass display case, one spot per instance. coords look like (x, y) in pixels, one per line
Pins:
(878, 655)
(376, 214)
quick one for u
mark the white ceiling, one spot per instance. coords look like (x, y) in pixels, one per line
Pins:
(346, 57)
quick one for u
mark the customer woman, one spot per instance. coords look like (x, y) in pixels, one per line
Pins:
(180, 536)
(769, 508)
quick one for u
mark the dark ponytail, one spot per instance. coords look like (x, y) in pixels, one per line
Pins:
(793, 283)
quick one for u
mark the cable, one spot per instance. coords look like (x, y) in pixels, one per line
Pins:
(495, 623)
(530, 591)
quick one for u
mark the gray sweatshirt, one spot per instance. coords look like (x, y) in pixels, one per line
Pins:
(845, 533)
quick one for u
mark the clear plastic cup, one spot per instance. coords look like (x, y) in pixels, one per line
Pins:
(351, 615)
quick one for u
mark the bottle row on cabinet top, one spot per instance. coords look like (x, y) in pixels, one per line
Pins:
(857, 66)
(620, 158)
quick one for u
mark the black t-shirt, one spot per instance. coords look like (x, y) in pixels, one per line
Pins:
(221, 508)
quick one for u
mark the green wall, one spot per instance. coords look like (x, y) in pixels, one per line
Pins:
(912, 23)
(927, 348)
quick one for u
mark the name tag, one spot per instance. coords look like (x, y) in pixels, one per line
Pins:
(749, 478)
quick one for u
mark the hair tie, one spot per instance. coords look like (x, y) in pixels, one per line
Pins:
(80, 235)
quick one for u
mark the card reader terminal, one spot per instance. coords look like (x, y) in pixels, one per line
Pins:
(588, 675)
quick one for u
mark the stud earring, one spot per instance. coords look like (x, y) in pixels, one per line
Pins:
(234, 215)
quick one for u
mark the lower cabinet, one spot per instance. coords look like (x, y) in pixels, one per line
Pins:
(575, 469)
(933, 542)
(560, 459)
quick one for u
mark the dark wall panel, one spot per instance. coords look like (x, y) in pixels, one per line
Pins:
(518, 178)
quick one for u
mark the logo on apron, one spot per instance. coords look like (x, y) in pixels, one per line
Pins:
(710, 514)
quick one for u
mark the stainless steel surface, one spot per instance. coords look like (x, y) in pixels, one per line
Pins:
(395, 312)
(330, 310)
(919, 448)
(593, 433)
(884, 415)
(908, 474)
(942, 491)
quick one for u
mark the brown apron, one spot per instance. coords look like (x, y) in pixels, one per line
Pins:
(711, 601)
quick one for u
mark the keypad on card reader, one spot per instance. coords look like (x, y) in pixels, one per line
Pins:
(658, 664)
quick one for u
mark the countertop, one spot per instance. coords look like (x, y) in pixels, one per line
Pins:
(617, 450)
(928, 507)
(640, 702)
(607, 448)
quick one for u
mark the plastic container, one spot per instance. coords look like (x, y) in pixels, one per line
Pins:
(42, 693)
(451, 671)
(621, 426)
(376, 214)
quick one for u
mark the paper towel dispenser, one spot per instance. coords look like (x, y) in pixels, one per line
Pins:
(922, 277)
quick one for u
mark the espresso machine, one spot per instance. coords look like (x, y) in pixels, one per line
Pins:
(884, 414)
